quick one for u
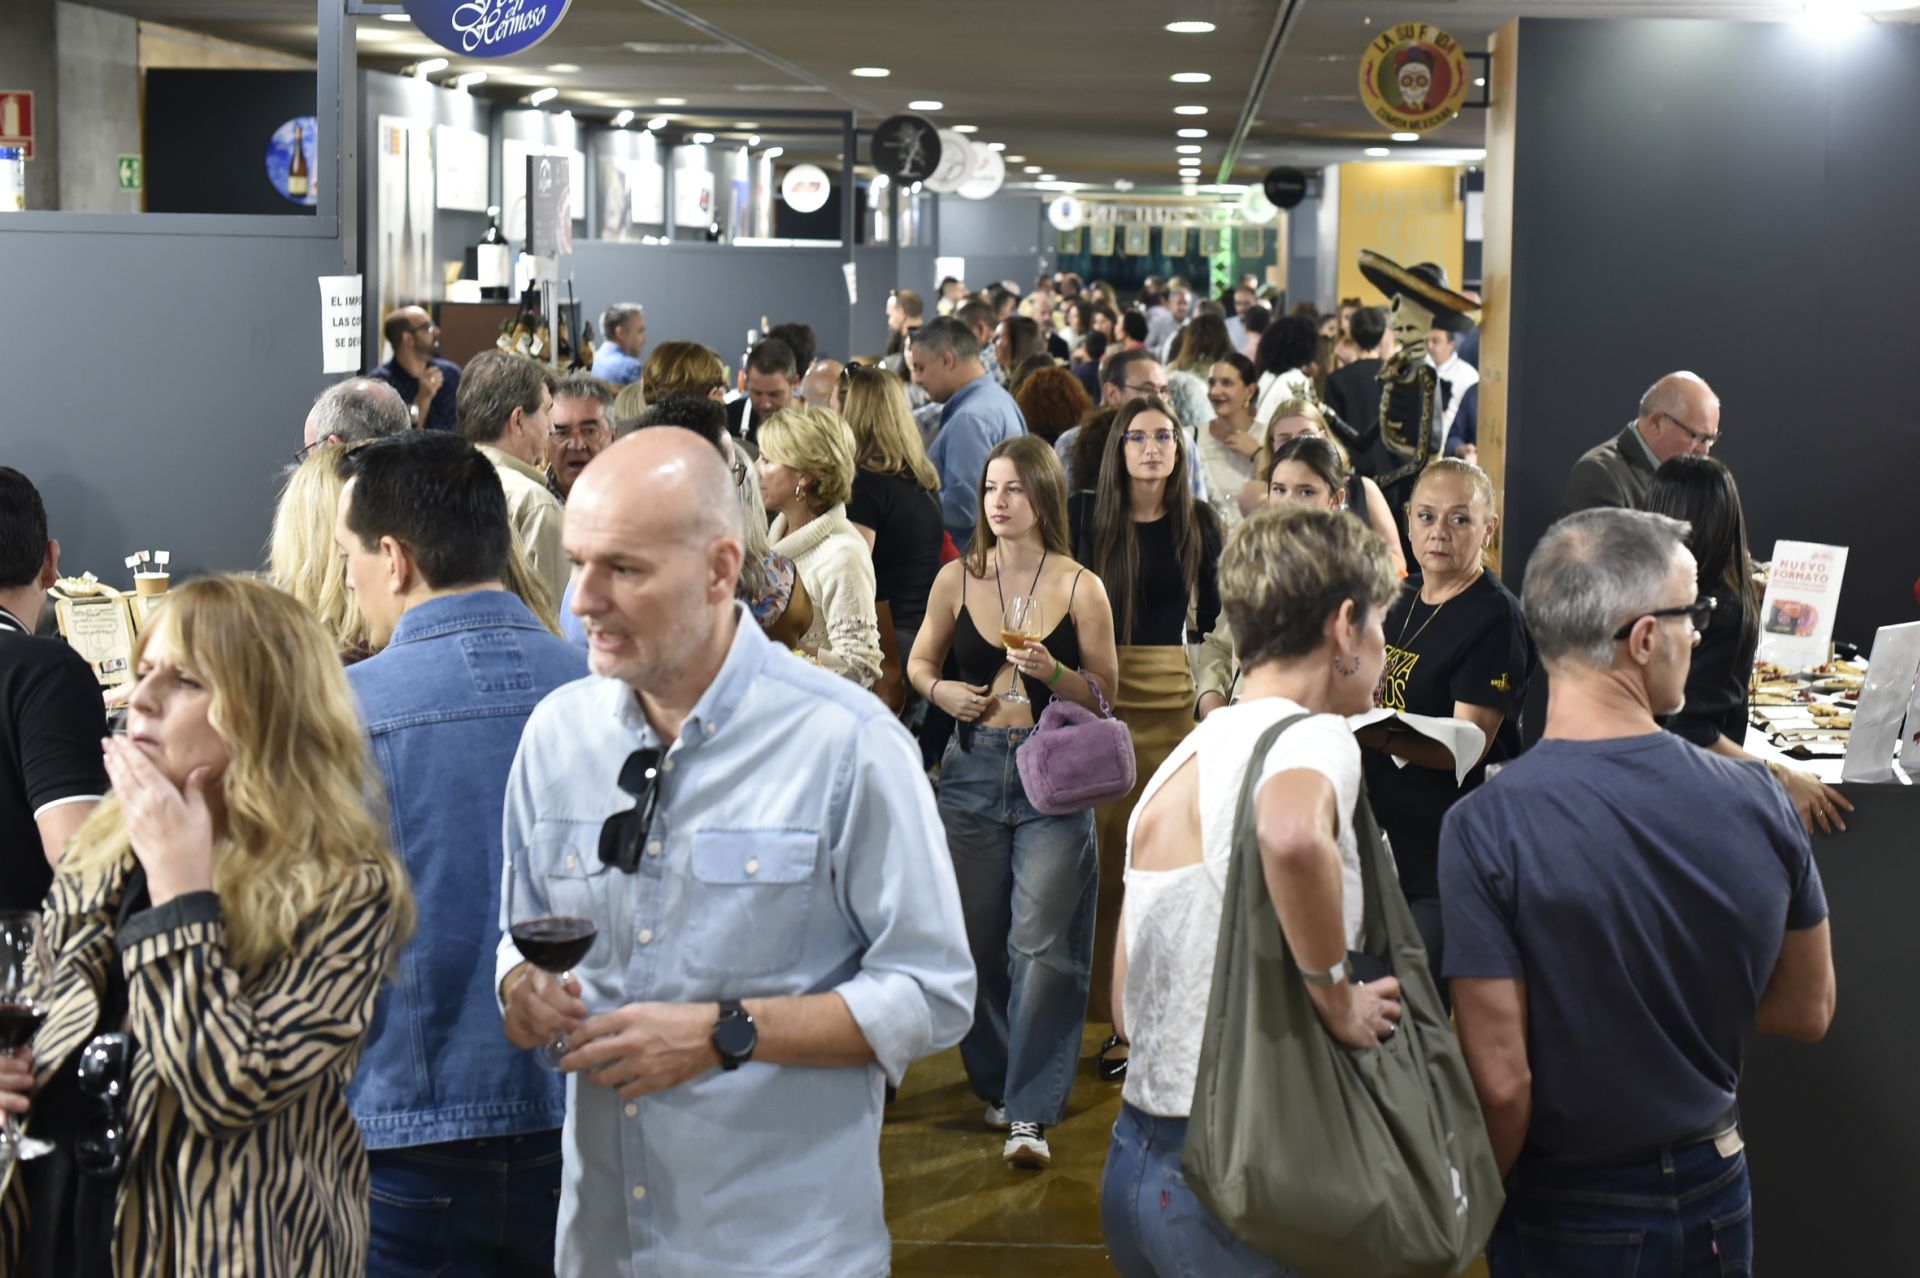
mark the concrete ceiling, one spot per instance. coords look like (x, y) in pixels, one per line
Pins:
(1079, 88)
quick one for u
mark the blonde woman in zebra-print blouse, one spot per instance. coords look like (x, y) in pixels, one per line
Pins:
(273, 911)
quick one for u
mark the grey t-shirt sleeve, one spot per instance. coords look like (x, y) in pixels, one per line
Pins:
(1476, 900)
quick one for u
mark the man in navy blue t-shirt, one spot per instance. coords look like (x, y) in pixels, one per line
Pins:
(1622, 908)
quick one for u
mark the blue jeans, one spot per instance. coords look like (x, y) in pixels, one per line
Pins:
(465, 1209)
(1027, 887)
(1678, 1213)
(1154, 1226)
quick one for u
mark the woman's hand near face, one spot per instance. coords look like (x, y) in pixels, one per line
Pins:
(171, 828)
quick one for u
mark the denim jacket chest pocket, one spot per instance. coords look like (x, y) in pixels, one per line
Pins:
(750, 899)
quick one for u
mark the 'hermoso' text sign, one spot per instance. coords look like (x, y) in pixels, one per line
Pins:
(487, 28)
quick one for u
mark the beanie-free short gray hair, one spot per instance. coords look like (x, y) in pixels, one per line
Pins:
(1593, 572)
(359, 409)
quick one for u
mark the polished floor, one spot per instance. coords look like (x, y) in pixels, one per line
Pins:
(957, 1211)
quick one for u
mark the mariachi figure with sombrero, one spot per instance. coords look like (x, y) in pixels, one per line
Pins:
(1422, 302)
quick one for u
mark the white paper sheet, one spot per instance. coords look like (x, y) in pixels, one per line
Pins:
(1463, 740)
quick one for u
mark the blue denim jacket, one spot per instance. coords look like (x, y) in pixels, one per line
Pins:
(444, 705)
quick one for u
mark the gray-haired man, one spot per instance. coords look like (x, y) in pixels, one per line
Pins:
(978, 413)
(1622, 908)
(350, 412)
(623, 335)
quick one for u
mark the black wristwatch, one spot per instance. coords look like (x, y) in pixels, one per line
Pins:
(734, 1035)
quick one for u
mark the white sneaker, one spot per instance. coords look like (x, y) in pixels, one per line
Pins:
(1027, 1146)
(996, 1116)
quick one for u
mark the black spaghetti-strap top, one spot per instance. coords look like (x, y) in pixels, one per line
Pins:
(979, 661)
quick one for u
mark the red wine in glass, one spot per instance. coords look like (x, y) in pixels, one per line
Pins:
(19, 1021)
(554, 942)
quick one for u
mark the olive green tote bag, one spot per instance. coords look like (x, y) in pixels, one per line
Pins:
(1339, 1163)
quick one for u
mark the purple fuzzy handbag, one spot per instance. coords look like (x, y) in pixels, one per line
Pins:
(1076, 759)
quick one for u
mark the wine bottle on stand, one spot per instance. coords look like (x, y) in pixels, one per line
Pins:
(492, 261)
(297, 177)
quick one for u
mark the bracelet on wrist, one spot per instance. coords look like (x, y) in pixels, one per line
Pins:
(931, 687)
(1059, 673)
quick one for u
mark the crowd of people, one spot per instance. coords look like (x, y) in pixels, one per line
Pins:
(553, 860)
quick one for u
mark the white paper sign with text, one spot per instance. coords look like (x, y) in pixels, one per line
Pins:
(339, 323)
(1796, 617)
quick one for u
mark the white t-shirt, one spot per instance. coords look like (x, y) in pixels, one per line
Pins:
(1173, 916)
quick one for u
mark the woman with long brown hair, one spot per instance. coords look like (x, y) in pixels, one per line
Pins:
(217, 934)
(1027, 880)
(1158, 551)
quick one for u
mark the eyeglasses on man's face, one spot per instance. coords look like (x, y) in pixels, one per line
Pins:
(1701, 438)
(593, 432)
(1151, 388)
(1698, 614)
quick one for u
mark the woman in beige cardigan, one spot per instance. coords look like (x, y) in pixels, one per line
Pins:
(806, 475)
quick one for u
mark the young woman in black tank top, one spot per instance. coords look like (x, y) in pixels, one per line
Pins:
(1027, 881)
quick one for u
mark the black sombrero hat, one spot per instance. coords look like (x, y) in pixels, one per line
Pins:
(1426, 284)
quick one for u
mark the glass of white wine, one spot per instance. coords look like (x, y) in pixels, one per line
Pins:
(1019, 626)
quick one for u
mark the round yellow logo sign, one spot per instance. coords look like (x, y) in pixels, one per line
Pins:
(1413, 77)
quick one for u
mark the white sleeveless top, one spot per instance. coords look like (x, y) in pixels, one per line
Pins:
(1172, 917)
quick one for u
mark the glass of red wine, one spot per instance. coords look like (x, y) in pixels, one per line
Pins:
(550, 941)
(24, 964)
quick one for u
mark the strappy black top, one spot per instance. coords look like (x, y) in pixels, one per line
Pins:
(980, 661)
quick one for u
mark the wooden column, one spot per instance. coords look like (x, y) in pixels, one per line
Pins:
(1496, 272)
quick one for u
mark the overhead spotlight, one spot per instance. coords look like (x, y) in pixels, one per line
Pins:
(774, 152)
(429, 66)
(657, 123)
(669, 101)
(1191, 109)
(996, 146)
(1016, 159)
(753, 139)
(747, 125)
(563, 68)
(1190, 133)
(701, 139)
(1190, 77)
(872, 73)
(543, 95)
(1049, 177)
(1406, 137)
(1190, 28)
(1188, 148)
(1479, 82)
(1378, 152)
(1031, 168)
(395, 17)
(926, 104)
(622, 120)
(470, 79)
(966, 128)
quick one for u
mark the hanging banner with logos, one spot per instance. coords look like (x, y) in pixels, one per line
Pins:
(1796, 616)
(1136, 241)
(487, 28)
(1413, 77)
(1173, 241)
(1253, 241)
(906, 148)
(339, 323)
(1100, 242)
(1073, 241)
(1213, 240)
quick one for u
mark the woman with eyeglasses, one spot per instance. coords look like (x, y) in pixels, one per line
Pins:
(1027, 880)
(219, 929)
(806, 477)
(1157, 550)
(1701, 491)
(895, 504)
(1457, 647)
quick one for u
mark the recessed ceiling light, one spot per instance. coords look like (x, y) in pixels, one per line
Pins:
(429, 66)
(701, 139)
(966, 128)
(669, 101)
(775, 152)
(1188, 148)
(1190, 77)
(996, 146)
(1016, 159)
(562, 68)
(1189, 110)
(1406, 137)
(927, 104)
(872, 73)
(547, 94)
(657, 122)
(1378, 151)
(753, 139)
(748, 125)
(1189, 28)
(395, 17)
(1190, 133)
(1049, 177)
(470, 79)
(1031, 168)
(622, 120)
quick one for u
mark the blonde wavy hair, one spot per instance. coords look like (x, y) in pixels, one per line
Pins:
(885, 438)
(302, 558)
(818, 443)
(298, 819)
(681, 368)
(532, 588)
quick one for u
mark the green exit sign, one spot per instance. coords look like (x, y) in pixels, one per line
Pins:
(130, 173)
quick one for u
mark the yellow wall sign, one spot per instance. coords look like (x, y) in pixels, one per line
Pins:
(1413, 77)
(1409, 212)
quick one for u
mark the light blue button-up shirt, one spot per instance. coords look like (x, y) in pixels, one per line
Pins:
(795, 850)
(611, 363)
(974, 419)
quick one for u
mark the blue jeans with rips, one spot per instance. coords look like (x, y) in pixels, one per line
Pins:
(1027, 887)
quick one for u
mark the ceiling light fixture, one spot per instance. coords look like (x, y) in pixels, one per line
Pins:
(701, 139)
(1190, 28)
(775, 152)
(1049, 177)
(1190, 77)
(395, 17)
(1190, 110)
(966, 128)
(1190, 133)
(746, 125)
(563, 68)
(1031, 168)
(753, 139)
(996, 146)
(1479, 82)
(428, 67)
(470, 79)
(547, 94)
(1406, 137)
(1016, 159)
(926, 104)
(622, 120)
(669, 101)
(1188, 148)
(872, 73)
(657, 122)
(1378, 151)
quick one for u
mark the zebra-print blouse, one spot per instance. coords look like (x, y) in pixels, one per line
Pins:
(244, 1160)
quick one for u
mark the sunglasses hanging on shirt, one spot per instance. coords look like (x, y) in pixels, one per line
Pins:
(625, 833)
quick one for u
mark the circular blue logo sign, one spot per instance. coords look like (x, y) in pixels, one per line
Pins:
(487, 28)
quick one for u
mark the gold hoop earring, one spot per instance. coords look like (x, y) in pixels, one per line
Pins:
(799, 492)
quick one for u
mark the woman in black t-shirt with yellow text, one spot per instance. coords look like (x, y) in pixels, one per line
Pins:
(1457, 647)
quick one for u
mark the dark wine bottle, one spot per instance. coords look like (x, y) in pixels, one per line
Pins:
(493, 262)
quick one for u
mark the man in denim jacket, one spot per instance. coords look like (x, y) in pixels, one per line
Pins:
(462, 1130)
